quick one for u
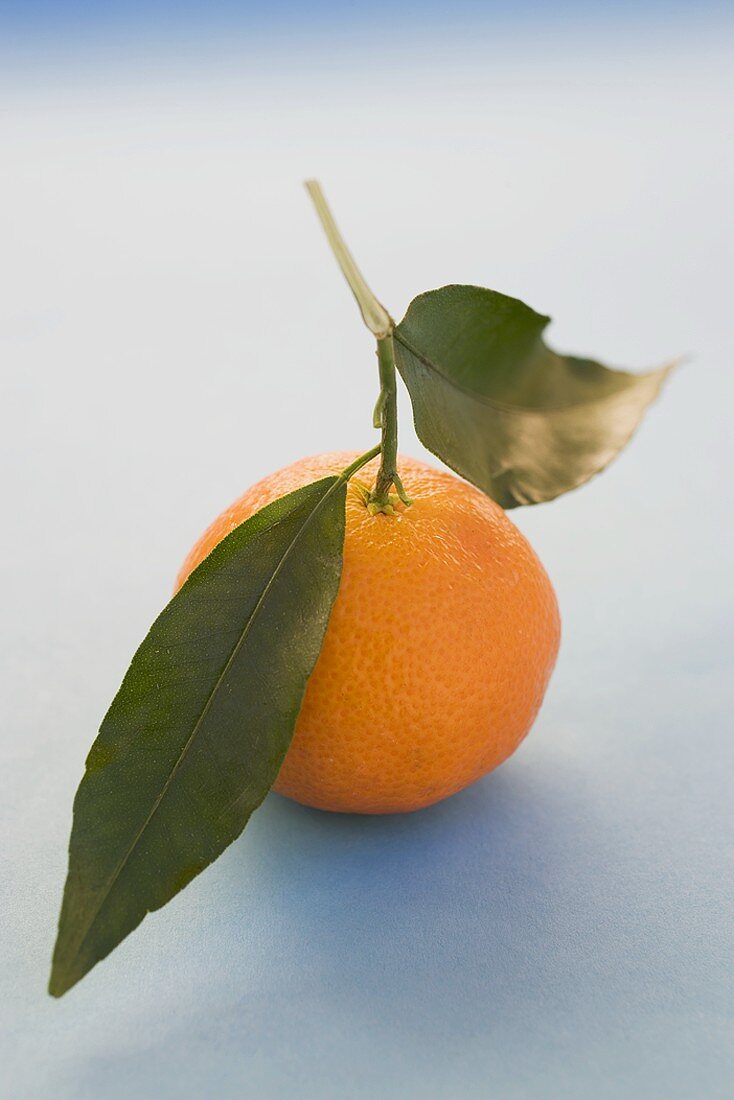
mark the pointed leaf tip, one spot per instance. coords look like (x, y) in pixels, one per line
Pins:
(196, 735)
(497, 405)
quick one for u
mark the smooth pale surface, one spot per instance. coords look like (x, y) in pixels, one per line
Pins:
(563, 928)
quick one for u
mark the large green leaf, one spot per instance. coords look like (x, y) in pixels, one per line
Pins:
(498, 406)
(197, 733)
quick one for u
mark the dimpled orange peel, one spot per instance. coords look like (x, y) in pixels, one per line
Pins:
(438, 650)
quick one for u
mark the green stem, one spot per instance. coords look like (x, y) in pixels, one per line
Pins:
(388, 406)
(381, 325)
(358, 463)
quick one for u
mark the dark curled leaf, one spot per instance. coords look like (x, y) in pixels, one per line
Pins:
(498, 406)
(196, 735)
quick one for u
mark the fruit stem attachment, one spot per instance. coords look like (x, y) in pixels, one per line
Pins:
(381, 325)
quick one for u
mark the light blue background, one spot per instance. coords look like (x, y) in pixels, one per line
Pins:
(171, 328)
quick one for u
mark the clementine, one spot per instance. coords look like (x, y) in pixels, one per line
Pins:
(439, 648)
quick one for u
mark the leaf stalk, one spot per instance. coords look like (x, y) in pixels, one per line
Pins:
(358, 463)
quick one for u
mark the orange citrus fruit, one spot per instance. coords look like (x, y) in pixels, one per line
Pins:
(440, 645)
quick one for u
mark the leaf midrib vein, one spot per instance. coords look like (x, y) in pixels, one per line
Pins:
(109, 885)
(528, 410)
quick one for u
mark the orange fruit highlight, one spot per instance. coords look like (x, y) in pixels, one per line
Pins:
(439, 648)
